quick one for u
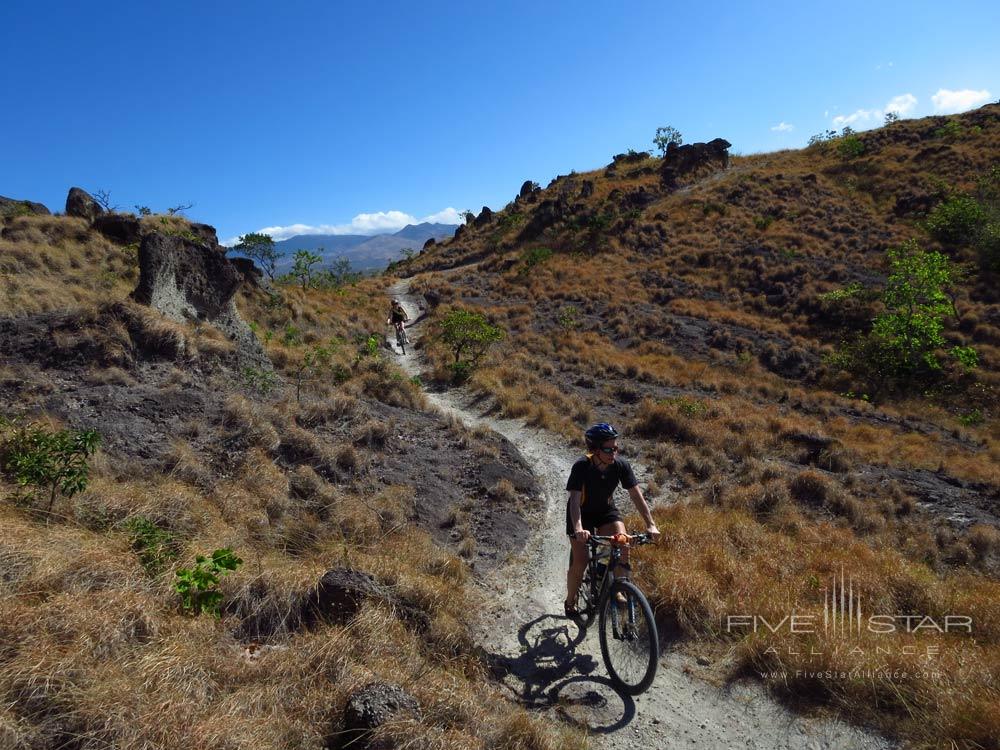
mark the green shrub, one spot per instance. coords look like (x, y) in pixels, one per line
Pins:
(468, 335)
(199, 585)
(850, 147)
(534, 256)
(989, 246)
(55, 461)
(958, 221)
(951, 130)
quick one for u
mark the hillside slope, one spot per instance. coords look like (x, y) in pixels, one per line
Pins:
(722, 316)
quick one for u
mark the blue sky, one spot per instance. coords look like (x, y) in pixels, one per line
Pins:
(297, 116)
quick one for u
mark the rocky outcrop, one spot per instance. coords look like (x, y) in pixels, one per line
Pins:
(80, 203)
(371, 707)
(341, 592)
(529, 191)
(190, 281)
(485, 217)
(548, 213)
(692, 159)
(124, 229)
(14, 207)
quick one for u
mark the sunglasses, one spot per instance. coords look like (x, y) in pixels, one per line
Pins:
(609, 451)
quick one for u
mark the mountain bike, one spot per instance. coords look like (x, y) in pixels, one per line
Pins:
(401, 338)
(630, 644)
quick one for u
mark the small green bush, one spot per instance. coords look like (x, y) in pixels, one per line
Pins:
(850, 147)
(957, 221)
(199, 585)
(55, 461)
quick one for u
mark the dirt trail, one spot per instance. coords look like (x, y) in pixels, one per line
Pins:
(548, 662)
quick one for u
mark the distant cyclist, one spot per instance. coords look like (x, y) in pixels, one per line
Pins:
(397, 316)
(591, 507)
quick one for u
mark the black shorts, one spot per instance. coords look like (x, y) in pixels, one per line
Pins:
(592, 521)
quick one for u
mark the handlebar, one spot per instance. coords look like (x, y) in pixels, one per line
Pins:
(621, 540)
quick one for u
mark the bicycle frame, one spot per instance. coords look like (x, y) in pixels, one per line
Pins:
(601, 580)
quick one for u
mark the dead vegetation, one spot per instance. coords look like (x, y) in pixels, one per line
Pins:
(94, 648)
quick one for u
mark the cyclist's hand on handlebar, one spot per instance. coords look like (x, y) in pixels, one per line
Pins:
(582, 535)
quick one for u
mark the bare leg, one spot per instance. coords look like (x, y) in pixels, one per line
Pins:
(576, 569)
(616, 527)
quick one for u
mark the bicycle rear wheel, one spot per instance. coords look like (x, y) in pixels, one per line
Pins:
(401, 340)
(629, 641)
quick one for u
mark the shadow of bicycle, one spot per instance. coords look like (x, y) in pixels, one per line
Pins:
(551, 671)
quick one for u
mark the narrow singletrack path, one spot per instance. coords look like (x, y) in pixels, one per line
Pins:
(547, 662)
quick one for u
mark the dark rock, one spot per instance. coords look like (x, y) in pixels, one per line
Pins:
(429, 244)
(184, 280)
(691, 158)
(121, 228)
(189, 281)
(485, 217)
(528, 191)
(631, 157)
(371, 707)
(433, 298)
(251, 274)
(80, 203)
(548, 213)
(460, 231)
(206, 233)
(587, 189)
(341, 591)
(14, 207)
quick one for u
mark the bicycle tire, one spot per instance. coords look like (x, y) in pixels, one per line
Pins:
(630, 644)
(401, 340)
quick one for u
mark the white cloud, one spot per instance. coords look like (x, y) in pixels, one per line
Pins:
(949, 102)
(448, 216)
(861, 118)
(902, 105)
(783, 127)
(380, 222)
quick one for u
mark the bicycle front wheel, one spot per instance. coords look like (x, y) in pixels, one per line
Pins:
(629, 641)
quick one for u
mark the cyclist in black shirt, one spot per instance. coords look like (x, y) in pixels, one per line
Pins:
(591, 507)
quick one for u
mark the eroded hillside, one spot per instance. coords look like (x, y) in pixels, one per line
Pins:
(731, 317)
(360, 515)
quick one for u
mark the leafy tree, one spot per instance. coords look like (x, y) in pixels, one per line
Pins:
(890, 118)
(665, 136)
(849, 146)
(259, 248)
(55, 461)
(958, 221)
(905, 338)
(143, 210)
(303, 266)
(469, 336)
(199, 585)
(916, 303)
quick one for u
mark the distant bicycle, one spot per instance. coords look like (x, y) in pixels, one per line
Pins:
(401, 337)
(630, 644)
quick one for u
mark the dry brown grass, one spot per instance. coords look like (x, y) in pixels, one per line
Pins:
(720, 563)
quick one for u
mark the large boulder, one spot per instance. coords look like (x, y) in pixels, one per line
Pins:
(124, 229)
(371, 707)
(82, 204)
(15, 207)
(341, 591)
(190, 281)
(485, 217)
(692, 159)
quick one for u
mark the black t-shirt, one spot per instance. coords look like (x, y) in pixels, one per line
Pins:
(398, 314)
(596, 488)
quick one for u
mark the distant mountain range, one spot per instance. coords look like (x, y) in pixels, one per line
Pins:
(365, 252)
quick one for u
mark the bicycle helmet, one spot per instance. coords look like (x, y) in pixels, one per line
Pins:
(599, 433)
